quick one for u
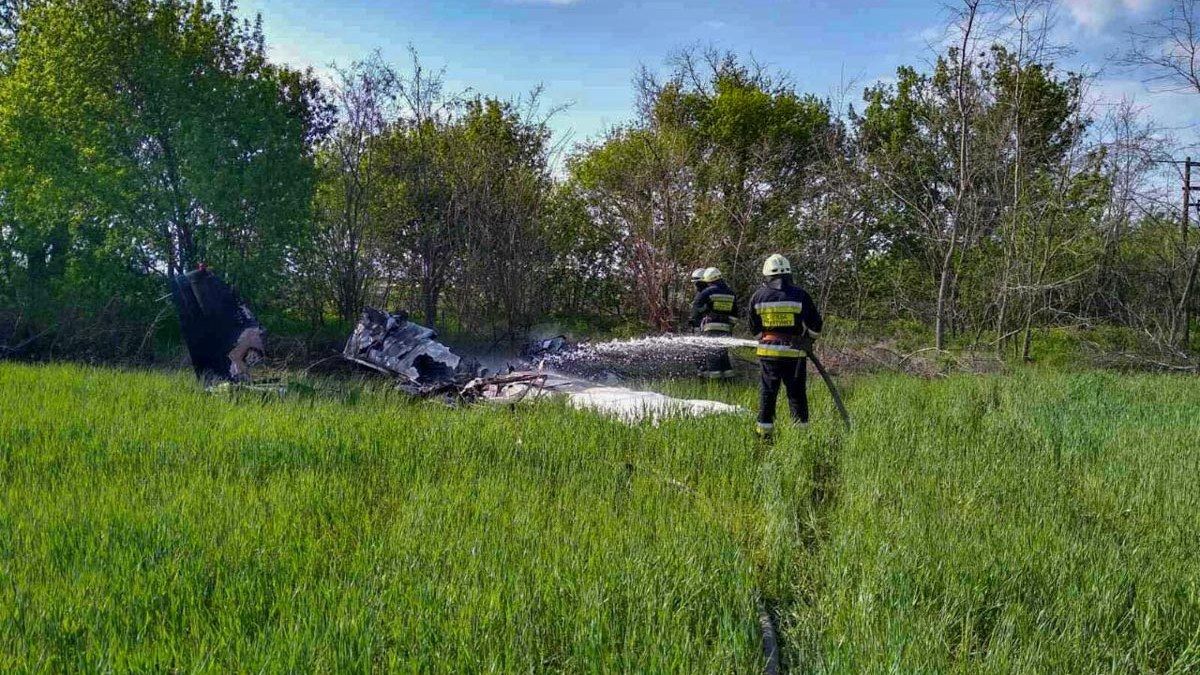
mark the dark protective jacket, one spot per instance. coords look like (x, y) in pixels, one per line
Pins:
(212, 317)
(781, 314)
(714, 308)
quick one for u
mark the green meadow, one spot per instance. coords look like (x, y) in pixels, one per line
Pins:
(1035, 522)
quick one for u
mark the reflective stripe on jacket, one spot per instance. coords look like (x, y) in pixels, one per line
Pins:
(778, 351)
(714, 306)
(781, 312)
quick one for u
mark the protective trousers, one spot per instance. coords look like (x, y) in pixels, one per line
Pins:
(717, 365)
(791, 373)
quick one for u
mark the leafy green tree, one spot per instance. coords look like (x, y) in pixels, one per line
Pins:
(501, 178)
(340, 266)
(419, 234)
(754, 148)
(153, 135)
(1045, 227)
(924, 148)
(637, 183)
(585, 253)
(715, 171)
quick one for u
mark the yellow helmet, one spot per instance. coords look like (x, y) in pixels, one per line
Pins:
(711, 274)
(776, 265)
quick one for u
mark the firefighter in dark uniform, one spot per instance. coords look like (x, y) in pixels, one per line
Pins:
(786, 321)
(713, 312)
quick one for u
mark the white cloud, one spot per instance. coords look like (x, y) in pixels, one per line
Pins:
(1096, 14)
(1173, 111)
(930, 35)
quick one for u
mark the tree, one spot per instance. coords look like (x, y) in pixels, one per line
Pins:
(158, 130)
(502, 180)
(960, 64)
(919, 139)
(636, 183)
(984, 180)
(1054, 185)
(1168, 52)
(1136, 280)
(585, 252)
(716, 170)
(348, 196)
(10, 21)
(419, 232)
(754, 146)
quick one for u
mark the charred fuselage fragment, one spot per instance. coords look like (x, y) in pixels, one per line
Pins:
(218, 327)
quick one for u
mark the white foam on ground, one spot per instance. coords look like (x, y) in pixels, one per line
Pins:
(575, 372)
(622, 403)
(630, 406)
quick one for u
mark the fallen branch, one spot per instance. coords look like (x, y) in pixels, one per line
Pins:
(153, 325)
(908, 356)
(1161, 365)
(1005, 336)
(476, 389)
(327, 358)
(17, 349)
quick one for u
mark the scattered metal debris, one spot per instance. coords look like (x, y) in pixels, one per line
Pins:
(393, 345)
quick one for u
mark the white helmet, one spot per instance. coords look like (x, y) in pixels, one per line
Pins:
(776, 265)
(698, 274)
(711, 274)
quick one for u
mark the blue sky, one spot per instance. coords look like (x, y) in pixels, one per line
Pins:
(586, 52)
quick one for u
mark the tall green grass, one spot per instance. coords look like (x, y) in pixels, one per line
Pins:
(147, 525)
(1041, 523)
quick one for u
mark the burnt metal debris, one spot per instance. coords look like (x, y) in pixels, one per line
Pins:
(393, 345)
(408, 351)
(540, 348)
(222, 335)
(423, 367)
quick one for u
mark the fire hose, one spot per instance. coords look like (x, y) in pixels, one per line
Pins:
(805, 345)
(833, 390)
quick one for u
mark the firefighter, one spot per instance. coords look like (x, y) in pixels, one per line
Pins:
(785, 320)
(713, 312)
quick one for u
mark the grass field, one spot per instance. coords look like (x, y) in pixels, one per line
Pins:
(1040, 522)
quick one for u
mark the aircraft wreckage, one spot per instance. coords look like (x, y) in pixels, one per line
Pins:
(224, 340)
(222, 335)
(394, 345)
